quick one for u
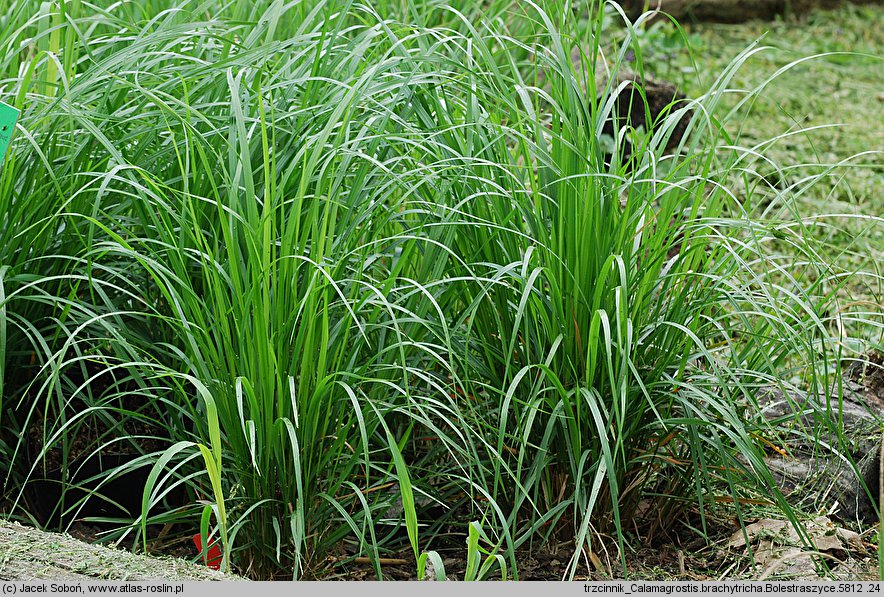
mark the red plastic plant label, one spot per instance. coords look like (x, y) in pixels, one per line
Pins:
(213, 557)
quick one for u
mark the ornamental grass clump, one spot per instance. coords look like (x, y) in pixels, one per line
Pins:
(360, 274)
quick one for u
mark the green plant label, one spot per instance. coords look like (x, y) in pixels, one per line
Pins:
(8, 118)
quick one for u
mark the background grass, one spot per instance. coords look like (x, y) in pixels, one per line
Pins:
(832, 106)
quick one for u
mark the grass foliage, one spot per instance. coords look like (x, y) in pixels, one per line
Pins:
(363, 273)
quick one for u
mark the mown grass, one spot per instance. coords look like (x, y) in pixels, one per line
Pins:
(830, 107)
(367, 274)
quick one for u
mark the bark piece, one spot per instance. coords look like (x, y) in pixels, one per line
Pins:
(819, 454)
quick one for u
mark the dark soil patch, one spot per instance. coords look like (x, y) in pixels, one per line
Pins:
(869, 374)
(69, 456)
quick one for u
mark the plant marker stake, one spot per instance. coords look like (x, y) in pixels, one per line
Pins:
(213, 557)
(8, 118)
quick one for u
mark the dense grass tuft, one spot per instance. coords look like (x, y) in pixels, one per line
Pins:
(336, 277)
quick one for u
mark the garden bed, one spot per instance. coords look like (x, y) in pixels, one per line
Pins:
(343, 288)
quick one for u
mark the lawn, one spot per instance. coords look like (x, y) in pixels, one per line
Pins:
(335, 285)
(830, 105)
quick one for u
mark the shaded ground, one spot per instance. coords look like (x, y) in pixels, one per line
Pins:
(695, 560)
(828, 497)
